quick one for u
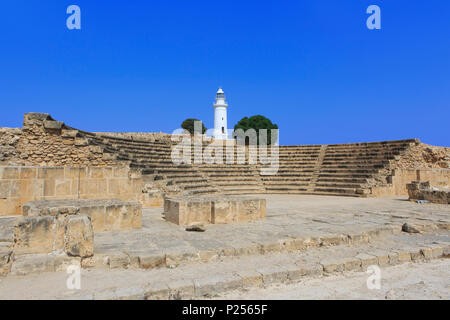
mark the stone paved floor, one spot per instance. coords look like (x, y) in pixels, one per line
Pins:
(225, 275)
(421, 281)
(288, 216)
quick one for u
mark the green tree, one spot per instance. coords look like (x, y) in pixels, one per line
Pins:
(257, 122)
(188, 125)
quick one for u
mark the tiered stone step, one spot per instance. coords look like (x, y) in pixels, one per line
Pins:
(193, 280)
(344, 179)
(343, 169)
(291, 181)
(234, 179)
(195, 183)
(339, 190)
(339, 169)
(298, 189)
(192, 182)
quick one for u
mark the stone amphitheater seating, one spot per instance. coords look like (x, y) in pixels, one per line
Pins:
(339, 169)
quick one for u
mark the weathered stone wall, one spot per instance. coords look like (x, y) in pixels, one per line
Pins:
(19, 185)
(46, 142)
(420, 162)
(149, 136)
(9, 138)
(401, 177)
(426, 191)
(423, 156)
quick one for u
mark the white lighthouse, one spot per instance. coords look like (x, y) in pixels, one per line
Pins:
(220, 116)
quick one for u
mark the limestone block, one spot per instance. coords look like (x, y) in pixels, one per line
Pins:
(105, 214)
(367, 260)
(96, 173)
(120, 217)
(28, 173)
(187, 212)
(30, 188)
(252, 209)
(97, 215)
(34, 117)
(4, 188)
(273, 274)
(10, 206)
(63, 187)
(427, 253)
(51, 124)
(333, 240)
(412, 186)
(79, 236)
(74, 173)
(120, 172)
(424, 191)
(382, 257)
(150, 200)
(81, 142)
(66, 210)
(437, 250)
(59, 232)
(75, 187)
(107, 172)
(151, 260)
(38, 263)
(136, 215)
(9, 173)
(190, 210)
(47, 208)
(119, 261)
(416, 254)
(51, 173)
(14, 188)
(66, 133)
(90, 187)
(35, 235)
(403, 256)
(352, 264)
(223, 212)
(115, 186)
(332, 265)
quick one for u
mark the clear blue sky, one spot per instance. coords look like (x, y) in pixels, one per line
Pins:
(311, 66)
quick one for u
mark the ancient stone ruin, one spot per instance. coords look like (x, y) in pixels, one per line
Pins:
(191, 210)
(61, 153)
(118, 201)
(424, 191)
